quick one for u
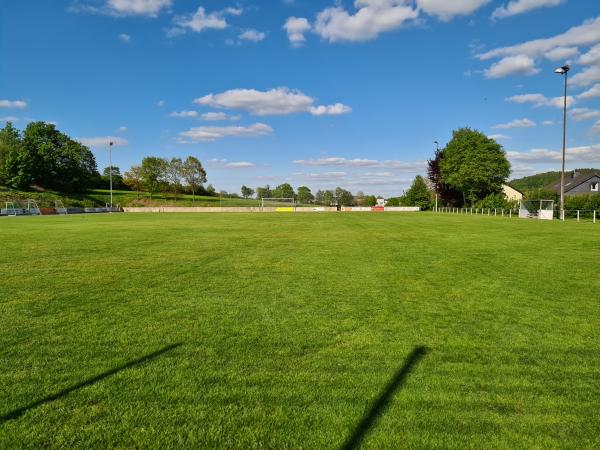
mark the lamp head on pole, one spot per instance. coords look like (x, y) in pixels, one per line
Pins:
(563, 70)
(110, 143)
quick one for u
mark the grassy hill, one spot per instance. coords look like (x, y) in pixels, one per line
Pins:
(101, 197)
(542, 180)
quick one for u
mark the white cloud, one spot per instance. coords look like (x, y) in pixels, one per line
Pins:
(225, 164)
(414, 166)
(124, 37)
(9, 119)
(562, 53)
(149, 8)
(325, 176)
(213, 133)
(200, 21)
(330, 110)
(515, 7)
(103, 141)
(278, 101)
(337, 161)
(447, 9)
(593, 92)
(184, 114)
(548, 123)
(596, 130)
(499, 137)
(160, 103)
(586, 34)
(537, 155)
(591, 57)
(584, 154)
(296, 27)
(512, 65)
(217, 116)
(123, 129)
(517, 123)
(15, 104)
(581, 114)
(541, 100)
(372, 18)
(589, 76)
(252, 35)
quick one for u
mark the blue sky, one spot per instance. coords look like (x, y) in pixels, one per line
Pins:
(320, 93)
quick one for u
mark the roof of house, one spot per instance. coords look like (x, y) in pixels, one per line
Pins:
(512, 187)
(572, 182)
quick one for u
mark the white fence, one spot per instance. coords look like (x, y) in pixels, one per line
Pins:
(578, 215)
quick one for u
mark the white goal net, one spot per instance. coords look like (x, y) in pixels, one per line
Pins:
(280, 204)
(537, 209)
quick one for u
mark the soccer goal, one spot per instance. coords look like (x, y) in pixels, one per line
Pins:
(60, 207)
(537, 209)
(280, 204)
(33, 208)
(10, 210)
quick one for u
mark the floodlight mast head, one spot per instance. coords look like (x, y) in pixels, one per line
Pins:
(563, 70)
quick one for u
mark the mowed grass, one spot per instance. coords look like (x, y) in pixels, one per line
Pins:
(286, 331)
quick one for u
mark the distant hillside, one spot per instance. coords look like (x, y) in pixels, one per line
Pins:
(541, 180)
(101, 197)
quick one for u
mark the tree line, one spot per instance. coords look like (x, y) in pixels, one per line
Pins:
(469, 170)
(418, 194)
(173, 175)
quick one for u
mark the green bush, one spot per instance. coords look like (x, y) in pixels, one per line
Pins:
(496, 201)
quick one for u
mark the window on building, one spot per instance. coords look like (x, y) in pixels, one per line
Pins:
(594, 187)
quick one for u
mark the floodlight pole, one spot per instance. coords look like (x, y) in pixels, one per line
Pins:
(564, 70)
(110, 172)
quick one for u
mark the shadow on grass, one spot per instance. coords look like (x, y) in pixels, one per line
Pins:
(19, 412)
(380, 405)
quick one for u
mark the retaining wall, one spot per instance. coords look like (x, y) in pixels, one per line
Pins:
(380, 208)
(209, 209)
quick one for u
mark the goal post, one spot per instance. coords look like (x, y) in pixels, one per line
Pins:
(536, 209)
(280, 204)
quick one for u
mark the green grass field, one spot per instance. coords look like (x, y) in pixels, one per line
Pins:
(298, 331)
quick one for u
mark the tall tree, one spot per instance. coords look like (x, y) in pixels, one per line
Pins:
(446, 193)
(133, 179)
(370, 200)
(210, 190)
(247, 192)
(418, 194)
(193, 174)
(264, 192)
(284, 190)
(304, 195)
(50, 159)
(474, 165)
(10, 141)
(174, 174)
(117, 178)
(153, 172)
(344, 197)
(328, 198)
